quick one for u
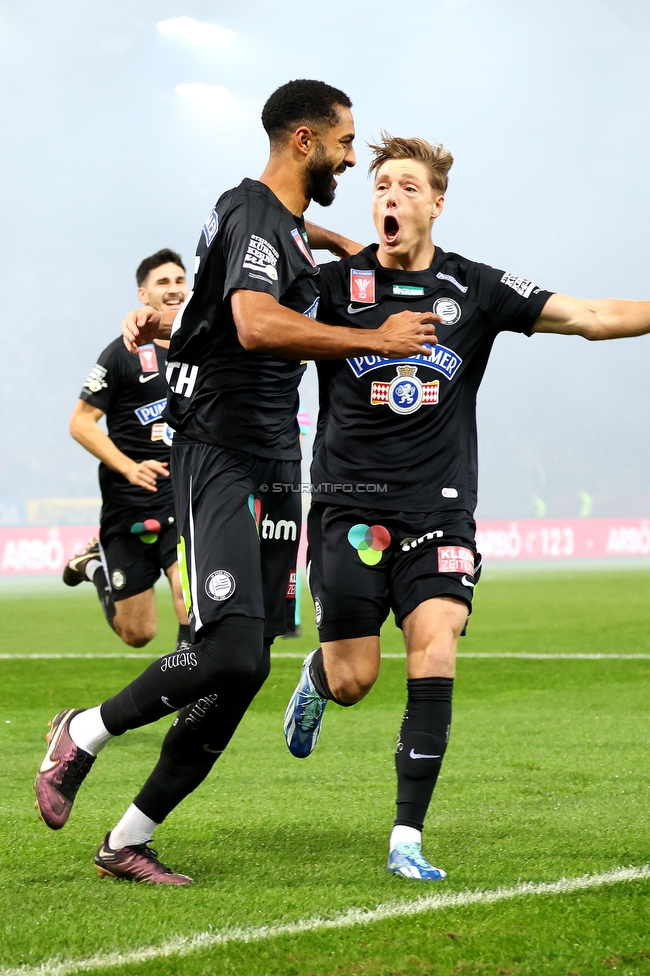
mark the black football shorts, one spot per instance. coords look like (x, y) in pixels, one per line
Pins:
(133, 565)
(362, 564)
(239, 523)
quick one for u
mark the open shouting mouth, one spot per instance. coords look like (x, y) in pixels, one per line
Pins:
(391, 229)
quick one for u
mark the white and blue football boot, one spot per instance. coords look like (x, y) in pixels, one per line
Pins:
(407, 860)
(304, 714)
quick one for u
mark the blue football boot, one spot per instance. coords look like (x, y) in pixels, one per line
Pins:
(407, 860)
(304, 714)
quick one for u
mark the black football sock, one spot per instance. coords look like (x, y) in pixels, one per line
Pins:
(197, 738)
(421, 746)
(184, 636)
(105, 594)
(229, 652)
(319, 679)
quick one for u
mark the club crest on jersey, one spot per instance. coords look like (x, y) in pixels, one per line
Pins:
(362, 287)
(211, 227)
(148, 359)
(302, 247)
(406, 393)
(448, 310)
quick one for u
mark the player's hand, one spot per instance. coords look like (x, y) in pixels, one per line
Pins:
(140, 326)
(407, 334)
(145, 473)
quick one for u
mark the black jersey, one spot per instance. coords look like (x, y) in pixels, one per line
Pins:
(220, 393)
(132, 392)
(400, 434)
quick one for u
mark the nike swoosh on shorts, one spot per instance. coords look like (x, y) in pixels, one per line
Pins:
(353, 311)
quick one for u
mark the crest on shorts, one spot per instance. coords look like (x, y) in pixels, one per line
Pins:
(406, 393)
(220, 585)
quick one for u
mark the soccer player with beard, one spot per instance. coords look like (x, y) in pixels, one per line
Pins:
(394, 476)
(137, 538)
(234, 364)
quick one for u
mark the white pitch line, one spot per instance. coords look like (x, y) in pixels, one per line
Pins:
(299, 656)
(562, 657)
(184, 945)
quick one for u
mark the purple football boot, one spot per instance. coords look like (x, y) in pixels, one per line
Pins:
(136, 863)
(62, 772)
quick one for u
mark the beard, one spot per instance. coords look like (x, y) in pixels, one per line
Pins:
(319, 175)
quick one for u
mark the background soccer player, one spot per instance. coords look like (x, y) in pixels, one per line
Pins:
(406, 540)
(234, 365)
(137, 538)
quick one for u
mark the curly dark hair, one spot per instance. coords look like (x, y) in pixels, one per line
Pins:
(301, 102)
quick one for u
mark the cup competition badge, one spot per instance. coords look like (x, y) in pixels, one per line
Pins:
(406, 393)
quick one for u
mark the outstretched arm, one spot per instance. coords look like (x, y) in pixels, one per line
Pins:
(326, 240)
(605, 318)
(84, 428)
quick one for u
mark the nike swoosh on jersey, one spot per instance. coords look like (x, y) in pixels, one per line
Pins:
(151, 376)
(418, 755)
(353, 311)
(466, 582)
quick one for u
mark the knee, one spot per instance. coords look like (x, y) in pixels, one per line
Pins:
(134, 636)
(350, 685)
(235, 650)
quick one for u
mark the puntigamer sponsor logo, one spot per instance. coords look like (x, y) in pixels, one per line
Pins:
(150, 411)
(442, 359)
(408, 291)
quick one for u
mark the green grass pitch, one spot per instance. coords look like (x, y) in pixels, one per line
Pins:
(546, 776)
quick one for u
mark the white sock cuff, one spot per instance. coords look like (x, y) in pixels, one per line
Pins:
(134, 828)
(91, 568)
(404, 835)
(89, 732)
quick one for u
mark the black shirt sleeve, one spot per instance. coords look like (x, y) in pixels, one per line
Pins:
(513, 304)
(329, 286)
(254, 250)
(103, 382)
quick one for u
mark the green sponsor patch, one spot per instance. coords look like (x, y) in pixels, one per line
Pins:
(407, 291)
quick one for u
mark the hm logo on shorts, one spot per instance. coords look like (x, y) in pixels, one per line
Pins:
(285, 529)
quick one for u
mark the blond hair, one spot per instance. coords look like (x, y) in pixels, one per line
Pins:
(437, 160)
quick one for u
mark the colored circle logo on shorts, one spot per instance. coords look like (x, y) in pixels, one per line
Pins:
(220, 585)
(448, 310)
(369, 541)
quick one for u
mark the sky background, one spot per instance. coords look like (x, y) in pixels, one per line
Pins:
(543, 105)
